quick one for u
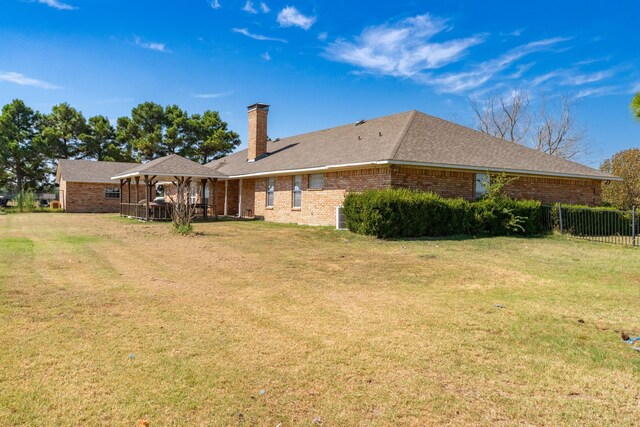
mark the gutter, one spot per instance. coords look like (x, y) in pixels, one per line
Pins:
(348, 166)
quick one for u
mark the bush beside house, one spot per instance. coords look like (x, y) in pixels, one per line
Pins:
(406, 213)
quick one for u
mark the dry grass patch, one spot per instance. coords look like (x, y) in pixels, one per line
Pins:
(105, 321)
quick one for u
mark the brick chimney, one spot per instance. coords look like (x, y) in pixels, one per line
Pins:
(257, 131)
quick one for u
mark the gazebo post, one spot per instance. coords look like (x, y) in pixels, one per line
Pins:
(215, 197)
(146, 191)
(203, 182)
(226, 189)
(129, 190)
(137, 187)
(240, 199)
(121, 188)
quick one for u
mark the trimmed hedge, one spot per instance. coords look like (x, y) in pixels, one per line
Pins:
(406, 213)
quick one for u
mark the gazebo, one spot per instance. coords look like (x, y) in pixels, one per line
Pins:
(172, 169)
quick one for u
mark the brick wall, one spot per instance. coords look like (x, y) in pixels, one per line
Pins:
(462, 184)
(557, 190)
(90, 197)
(446, 183)
(318, 206)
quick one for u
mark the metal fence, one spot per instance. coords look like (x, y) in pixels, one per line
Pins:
(597, 224)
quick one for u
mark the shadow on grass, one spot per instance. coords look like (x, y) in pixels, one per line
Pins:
(465, 237)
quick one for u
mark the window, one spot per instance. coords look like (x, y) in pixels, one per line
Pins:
(112, 193)
(270, 190)
(316, 181)
(482, 182)
(297, 191)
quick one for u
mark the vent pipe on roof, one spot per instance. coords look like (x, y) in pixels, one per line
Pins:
(257, 131)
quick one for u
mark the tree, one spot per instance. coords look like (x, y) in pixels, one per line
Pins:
(22, 151)
(176, 139)
(557, 132)
(144, 130)
(552, 130)
(507, 119)
(626, 165)
(635, 106)
(210, 137)
(62, 129)
(100, 143)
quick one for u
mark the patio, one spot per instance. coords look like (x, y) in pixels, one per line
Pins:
(173, 172)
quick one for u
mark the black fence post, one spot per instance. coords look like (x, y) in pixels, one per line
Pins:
(633, 226)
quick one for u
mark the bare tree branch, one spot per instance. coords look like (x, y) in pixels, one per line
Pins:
(506, 119)
(553, 130)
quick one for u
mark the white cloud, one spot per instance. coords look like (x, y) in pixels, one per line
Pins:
(160, 47)
(266, 56)
(464, 81)
(246, 32)
(323, 36)
(292, 17)
(597, 91)
(57, 4)
(264, 7)
(248, 7)
(572, 77)
(211, 95)
(215, 4)
(22, 80)
(402, 49)
(581, 79)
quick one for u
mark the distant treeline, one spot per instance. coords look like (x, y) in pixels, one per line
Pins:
(31, 142)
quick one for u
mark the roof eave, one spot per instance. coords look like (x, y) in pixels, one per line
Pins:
(182, 175)
(425, 164)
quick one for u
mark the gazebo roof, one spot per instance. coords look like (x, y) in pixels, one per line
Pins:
(170, 167)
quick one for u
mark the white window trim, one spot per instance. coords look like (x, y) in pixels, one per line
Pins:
(479, 182)
(294, 191)
(272, 192)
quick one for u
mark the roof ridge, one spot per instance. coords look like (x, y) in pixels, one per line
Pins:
(403, 133)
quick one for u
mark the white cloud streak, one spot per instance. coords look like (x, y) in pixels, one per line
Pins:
(464, 81)
(159, 47)
(211, 95)
(22, 80)
(215, 4)
(403, 49)
(292, 17)
(57, 4)
(245, 32)
(264, 7)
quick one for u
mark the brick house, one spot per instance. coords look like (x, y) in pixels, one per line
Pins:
(86, 185)
(303, 179)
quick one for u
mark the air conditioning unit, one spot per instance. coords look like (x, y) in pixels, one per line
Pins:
(341, 221)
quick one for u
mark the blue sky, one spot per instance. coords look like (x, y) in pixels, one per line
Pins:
(322, 64)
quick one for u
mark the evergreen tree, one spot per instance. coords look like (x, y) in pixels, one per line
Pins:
(22, 150)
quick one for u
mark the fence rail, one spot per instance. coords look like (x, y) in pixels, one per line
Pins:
(596, 224)
(137, 210)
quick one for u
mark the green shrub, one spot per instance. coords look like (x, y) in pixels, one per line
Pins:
(406, 213)
(25, 201)
(182, 229)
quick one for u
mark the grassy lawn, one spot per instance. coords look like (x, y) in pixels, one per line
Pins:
(106, 321)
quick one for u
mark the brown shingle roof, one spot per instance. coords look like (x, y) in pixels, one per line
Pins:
(170, 166)
(89, 170)
(406, 138)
